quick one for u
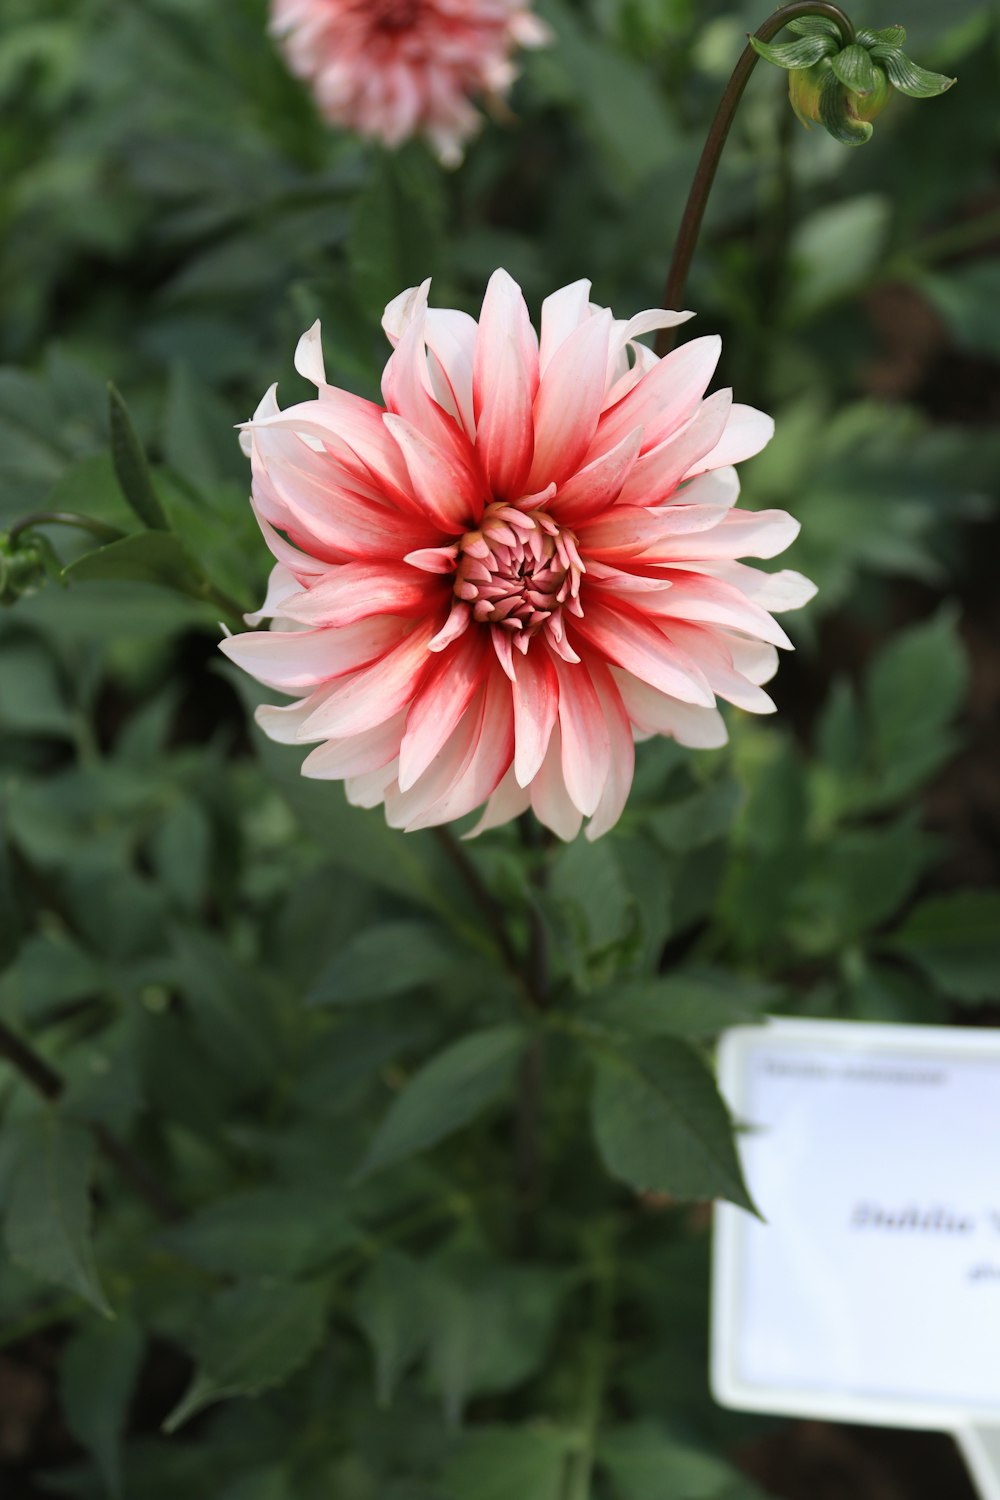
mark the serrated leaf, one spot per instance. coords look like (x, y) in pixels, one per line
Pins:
(391, 1308)
(855, 69)
(48, 1215)
(100, 1366)
(131, 467)
(661, 1126)
(498, 1462)
(445, 1094)
(386, 959)
(255, 1336)
(955, 940)
(148, 557)
(908, 78)
(801, 54)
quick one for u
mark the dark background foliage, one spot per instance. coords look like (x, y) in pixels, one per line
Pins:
(399, 1236)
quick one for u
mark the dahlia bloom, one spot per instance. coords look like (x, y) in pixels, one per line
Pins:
(391, 69)
(487, 589)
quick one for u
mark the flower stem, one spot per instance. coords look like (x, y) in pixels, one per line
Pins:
(47, 1082)
(694, 209)
(100, 529)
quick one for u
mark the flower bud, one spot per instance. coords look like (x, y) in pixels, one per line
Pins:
(845, 87)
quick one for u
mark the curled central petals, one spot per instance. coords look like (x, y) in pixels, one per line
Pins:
(391, 69)
(518, 571)
(484, 591)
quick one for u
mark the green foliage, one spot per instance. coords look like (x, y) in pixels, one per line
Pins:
(368, 1221)
(47, 1214)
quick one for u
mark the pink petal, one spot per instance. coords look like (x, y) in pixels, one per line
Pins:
(562, 312)
(488, 762)
(370, 788)
(536, 704)
(376, 692)
(550, 800)
(656, 713)
(362, 753)
(709, 601)
(406, 387)
(507, 802)
(709, 648)
(309, 355)
(665, 398)
(633, 531)
(627, 639)
(586, 744)
(281, 587)
(746, 433)
(294, 660)
(740, 533)
(658, 471)
(777, 592)
(445, 693)
(448, 490)
(568, 403)
(357, 590)
(589, 491)
(504, 381)
(619, 782)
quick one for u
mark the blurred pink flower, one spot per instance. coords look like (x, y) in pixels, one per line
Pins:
(392, 69)
(488, 588)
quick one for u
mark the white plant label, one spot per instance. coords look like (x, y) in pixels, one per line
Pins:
(872, 1291)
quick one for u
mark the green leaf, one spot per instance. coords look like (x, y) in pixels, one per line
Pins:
(645, 1461)
(48, 1217)
(694, 1006)
(837, 118)
(148, 557)
(495, 1463)
(491, 1325)
(588, 879)
(100, 1366)
(392, 1310)
(837, 248)
(855, 70)
(131, 467)
(889, 36)
(955, 940)
(50, 971)
(254, 1337)
(661, 1126)
(815, 26)
(445, 1094)
(386, 959)
(32, 699)
(700, 818)
(908, 78)
(913, 690)
(267, 1231)
(801, 54)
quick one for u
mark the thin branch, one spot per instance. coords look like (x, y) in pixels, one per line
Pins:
(100, 529)
(694, 209)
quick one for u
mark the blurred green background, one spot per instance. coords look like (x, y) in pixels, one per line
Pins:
(238, 974)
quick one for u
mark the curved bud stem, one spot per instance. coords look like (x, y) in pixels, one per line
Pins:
(694, 209)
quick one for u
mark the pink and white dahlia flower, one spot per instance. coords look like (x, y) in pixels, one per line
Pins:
(391, 69)
(487, 589)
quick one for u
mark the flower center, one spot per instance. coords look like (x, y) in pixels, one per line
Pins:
(396, 15)
(518, 571)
